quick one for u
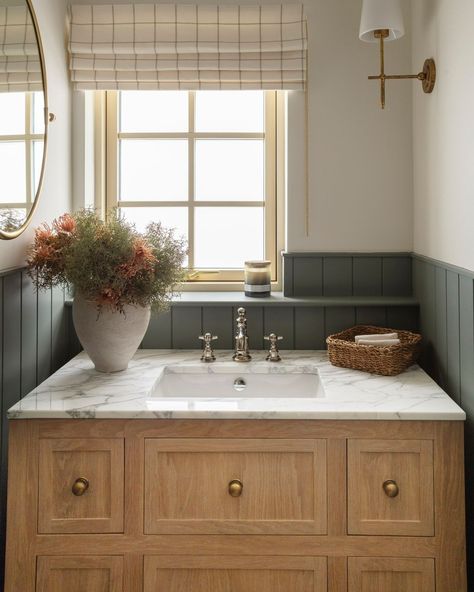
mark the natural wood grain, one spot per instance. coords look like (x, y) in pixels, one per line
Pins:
(100, 508)
(233, 428)
(77, 574)
(186, 486)
(449, 499)
(375, 574)
(22, 507)
(257, 574)
(337, 487)
(200, 559)
(410, 464)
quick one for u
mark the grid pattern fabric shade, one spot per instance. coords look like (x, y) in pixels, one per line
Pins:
(168, 46)
(20, 68)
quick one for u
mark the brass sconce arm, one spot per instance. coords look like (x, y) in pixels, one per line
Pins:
(427, 76)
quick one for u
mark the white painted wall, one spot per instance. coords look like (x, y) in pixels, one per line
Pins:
(360, 157)
(443, 133)
(56, 194)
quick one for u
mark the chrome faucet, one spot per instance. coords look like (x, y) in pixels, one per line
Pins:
(241, 353)
(207, 352)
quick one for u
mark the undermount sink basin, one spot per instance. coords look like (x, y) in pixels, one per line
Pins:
(237, 382)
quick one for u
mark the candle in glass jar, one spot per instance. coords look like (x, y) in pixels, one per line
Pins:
(257, 278)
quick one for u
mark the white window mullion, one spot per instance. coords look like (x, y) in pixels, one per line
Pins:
(191, 176)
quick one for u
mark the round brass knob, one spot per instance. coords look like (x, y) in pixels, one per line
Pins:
(235, 488)
(80, 486)
(391, 488)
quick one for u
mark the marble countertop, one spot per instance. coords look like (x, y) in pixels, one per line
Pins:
(78, 391)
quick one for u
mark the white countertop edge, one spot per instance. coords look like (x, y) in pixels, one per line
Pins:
(77, 391)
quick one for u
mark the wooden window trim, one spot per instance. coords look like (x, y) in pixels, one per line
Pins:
(106, 159)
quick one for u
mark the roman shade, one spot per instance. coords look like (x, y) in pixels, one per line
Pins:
(168, 46)
(20, 68)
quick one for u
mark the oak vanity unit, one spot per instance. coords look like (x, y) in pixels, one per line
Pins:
(114, 488)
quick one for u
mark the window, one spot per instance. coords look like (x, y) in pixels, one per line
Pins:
(204, 163)
(21, 151)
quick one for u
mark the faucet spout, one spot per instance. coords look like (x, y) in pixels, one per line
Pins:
(241, 353)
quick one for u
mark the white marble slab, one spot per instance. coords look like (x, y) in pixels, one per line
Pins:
(78, 391)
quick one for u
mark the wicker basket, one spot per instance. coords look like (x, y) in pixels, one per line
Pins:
(387, 360)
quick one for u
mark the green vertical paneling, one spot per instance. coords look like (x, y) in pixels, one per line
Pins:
(402, 317)
(307, 276)
(28, 335)
(186, 326)
(466, 339)
(425, 273)
(255, 326)
(44, 353)
(367, 274)
(441, 328)
(280, 320)
(396, 276)
(218, 320)
(339, 318)
(2, 498)
(337, 276)
(59, 353)
(371, 315)
(11, 383)
(309, 328)
(158, 335)
(453, 378)
(288, 276)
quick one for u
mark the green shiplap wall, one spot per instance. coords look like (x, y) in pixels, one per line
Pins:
(446, 296)
(34, 343)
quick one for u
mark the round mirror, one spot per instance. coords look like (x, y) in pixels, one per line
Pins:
(23, 116)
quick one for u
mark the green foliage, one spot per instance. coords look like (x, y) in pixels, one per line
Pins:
(109, 263)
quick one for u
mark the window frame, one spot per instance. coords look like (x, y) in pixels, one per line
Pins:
(107, 111)
(29, 138)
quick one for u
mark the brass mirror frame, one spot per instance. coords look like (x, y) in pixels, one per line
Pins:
(15, 233)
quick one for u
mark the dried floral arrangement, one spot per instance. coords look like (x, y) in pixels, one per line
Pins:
(109, 263)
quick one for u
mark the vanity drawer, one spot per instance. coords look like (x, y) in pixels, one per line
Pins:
(231, 486)
(79, 574)
(81, 485)
(390, 487)
(238, 574)
(374, 574)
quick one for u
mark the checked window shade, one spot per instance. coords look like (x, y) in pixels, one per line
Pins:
(20, 67)
(168, 46)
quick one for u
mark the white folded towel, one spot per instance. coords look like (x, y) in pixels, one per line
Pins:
(379, 342)
(376, 337)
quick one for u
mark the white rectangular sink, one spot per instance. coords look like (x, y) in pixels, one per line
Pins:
(238, 381)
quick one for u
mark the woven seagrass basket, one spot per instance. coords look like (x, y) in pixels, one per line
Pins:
(387, 360)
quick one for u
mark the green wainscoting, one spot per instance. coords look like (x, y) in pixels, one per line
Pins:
(34, 344)
(446, 295)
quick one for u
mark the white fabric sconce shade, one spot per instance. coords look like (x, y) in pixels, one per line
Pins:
(381, 14)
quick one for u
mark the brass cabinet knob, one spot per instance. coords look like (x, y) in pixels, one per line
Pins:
(391, 488)
(235, 488)
(80, 486)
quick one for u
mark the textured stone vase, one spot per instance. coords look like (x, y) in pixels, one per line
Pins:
(109, 338)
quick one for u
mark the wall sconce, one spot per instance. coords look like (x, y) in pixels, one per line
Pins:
(382, 21)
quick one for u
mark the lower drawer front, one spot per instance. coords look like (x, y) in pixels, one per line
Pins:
(388, 574)
(236, 574)
(235, 486)
(79, 574)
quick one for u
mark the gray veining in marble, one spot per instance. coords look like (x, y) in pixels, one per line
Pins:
(78, 391)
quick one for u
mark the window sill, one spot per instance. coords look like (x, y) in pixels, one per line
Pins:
(278, 299)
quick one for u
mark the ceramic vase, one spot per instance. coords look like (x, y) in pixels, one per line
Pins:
(110, 338)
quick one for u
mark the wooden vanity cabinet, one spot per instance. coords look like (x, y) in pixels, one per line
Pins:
(235, 506)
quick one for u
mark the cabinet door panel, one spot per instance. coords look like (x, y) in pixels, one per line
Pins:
(235, 574)
(407, 466)
(284, 486)
(387, 574)
(100, 508)
(78, 574)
